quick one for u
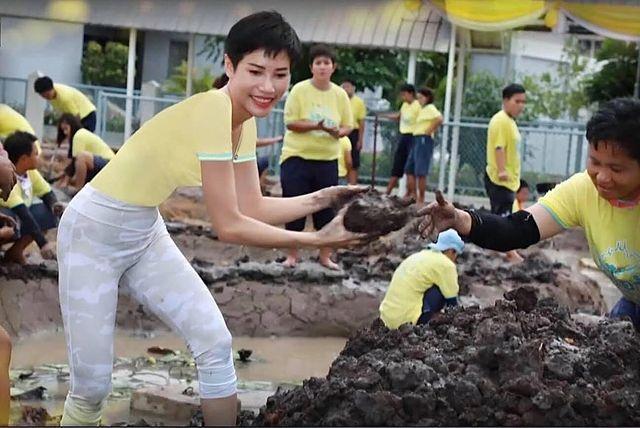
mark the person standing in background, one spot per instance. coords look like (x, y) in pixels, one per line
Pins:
(359, 110)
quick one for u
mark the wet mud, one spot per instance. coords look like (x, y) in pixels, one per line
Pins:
(374, 213)
(522, 361)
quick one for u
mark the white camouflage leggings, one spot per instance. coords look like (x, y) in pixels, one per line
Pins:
(103, 243)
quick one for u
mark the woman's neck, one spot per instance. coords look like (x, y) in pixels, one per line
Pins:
(238, 114)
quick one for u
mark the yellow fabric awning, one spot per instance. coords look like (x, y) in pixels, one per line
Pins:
(491, 15)
(619, 21)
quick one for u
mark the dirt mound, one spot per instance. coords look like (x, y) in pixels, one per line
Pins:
(501, 365)
(373, 212)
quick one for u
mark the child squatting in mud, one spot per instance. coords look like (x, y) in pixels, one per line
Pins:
(604, 200)
(423, 283)
(112, 232)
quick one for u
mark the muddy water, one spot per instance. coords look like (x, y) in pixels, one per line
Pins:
(273, 361)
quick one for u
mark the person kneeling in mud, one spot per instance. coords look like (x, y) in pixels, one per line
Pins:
(35, 218)
(604, 200)
(87, 151)
(424, 283)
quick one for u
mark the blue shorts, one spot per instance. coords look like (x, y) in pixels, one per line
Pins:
(41, 214)
(419, 158)
(626, 308)
(301, 176)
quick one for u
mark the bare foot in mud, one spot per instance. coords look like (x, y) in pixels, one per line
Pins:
(329, 264)
(514, 258)
(290, 262)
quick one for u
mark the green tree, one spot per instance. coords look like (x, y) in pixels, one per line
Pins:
(177, 82)
(106, 65)
(617, 76)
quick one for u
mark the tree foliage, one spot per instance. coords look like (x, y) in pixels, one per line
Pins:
(618, 75)
(177, 82)
(106, 66)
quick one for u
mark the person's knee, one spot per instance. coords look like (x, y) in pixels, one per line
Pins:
(216, 372)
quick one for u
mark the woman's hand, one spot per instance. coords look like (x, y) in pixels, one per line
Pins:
(337, 196)
(336, 236)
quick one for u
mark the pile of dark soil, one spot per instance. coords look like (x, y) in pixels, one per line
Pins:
(375, 213)
(520, 362)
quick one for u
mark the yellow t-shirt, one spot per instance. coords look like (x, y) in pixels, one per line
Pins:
(71, 100)
(503, 132)
(613, 233)
(12, 121)
(408, 116)
(416, 274)
(86, 141)
(165, 153)
(25, 189)
(517, 206)
(358, 109)
(345, 146)
(426, 115)
(306, 102)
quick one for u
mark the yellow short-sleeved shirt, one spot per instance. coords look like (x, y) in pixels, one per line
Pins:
(345, 146)
(86, 141)
(503, 132)
(358, 109)
(408, 116)
(71, 100)
(613, 233)
(33, 184)
(165, 153)
(12, 121)
(306, 102)
(416, 274)
(426, 115)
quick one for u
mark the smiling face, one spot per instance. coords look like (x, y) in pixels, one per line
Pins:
(322, 69)
(258, 82)
(615, 174)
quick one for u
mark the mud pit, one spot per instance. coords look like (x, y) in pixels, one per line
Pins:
(373, 212)
(495, 366)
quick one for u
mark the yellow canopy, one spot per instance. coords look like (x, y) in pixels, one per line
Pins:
(616, 19)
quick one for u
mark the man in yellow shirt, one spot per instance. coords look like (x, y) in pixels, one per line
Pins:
(407, 117)
(423, 283)
(317, 114)
(359, 110)
(502, 176)
(35, 218)
(604, 200)
(66, 99)
(12, 121)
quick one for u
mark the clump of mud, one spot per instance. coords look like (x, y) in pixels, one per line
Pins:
(520, 362)
(374, 213)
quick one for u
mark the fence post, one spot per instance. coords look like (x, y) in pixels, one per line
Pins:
(375, 152)
(457, 111)
(447, 105)
(34, 107)
(147, 109)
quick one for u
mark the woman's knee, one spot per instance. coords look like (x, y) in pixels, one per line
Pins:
(216, 372)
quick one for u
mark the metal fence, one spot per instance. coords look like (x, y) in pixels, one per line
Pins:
(550, 151)
(13, 91)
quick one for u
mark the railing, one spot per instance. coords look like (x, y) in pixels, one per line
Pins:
(13, 91)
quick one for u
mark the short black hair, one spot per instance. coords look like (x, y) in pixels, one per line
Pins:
(408, 87)
(19, 144)
(523, 185)
(220, 81)
(321, 50)
(618, 122)
(262, 30)
(428, 93)
(349, 80)
(512, 89)
(43, 84)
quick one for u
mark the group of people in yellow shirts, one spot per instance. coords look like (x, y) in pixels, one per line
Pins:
(111, 233)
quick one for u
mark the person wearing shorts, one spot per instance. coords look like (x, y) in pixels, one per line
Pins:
(359, 111)
(66, 99)
(428, 121)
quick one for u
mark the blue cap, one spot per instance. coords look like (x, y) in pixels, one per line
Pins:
(448, 240)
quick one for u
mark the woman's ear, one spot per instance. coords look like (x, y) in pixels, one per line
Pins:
(228, 66)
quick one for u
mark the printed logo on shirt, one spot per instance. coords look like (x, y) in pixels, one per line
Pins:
(622, 265)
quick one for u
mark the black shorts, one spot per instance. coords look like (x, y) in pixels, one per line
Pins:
(98, 163)
(89, 121)
(354, 136)
(263, 164)
(41, 214)
(405, 144)
(500, 197)
(301, 176)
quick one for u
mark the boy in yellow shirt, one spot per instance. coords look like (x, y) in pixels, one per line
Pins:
(66, 99)
(604, 200)
(502, 176)
(423, 283)
(345, 161)
(12, 121)
(359, 111)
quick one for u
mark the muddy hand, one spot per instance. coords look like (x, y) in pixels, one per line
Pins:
(439, 215)
(335, 235)
(338, 196)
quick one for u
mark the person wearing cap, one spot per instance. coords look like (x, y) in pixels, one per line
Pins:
(66, 99)
(424, 283)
